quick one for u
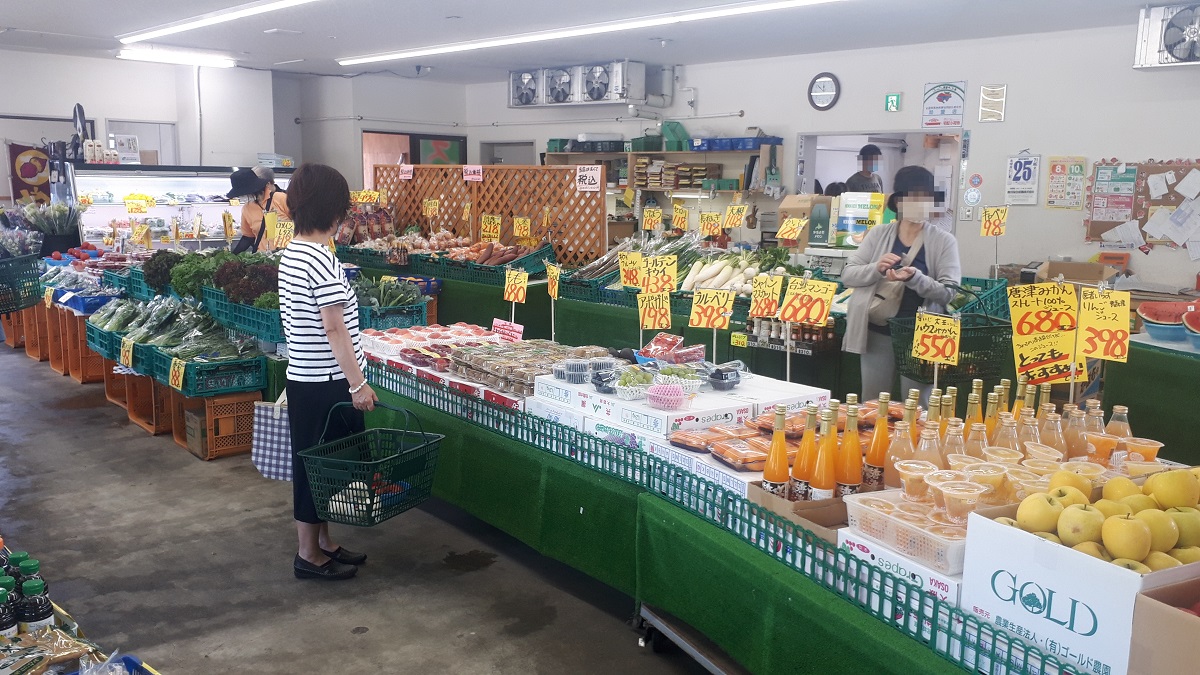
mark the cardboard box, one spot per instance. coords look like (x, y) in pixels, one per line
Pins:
(944, 587)
(615, 433)
(1164, 636)
(555, 391)
(1067, 604)
(197, 433)
(712, 469)
(684, 459)
(707, 409)
(582, 398)
(1085, 272)
(555, 413)
(501, 398)
(763, 393)
(816, 210)
(823, 518)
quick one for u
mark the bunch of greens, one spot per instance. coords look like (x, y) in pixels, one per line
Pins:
(56, 218)
(267, 301)
(163, 310)
(196, 270)
(372, 293)
(157, 270)
(257, 281)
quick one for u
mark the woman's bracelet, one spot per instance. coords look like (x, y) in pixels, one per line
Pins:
(355, 390)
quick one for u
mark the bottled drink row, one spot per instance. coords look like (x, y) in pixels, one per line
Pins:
(774, 330)
(24, 595)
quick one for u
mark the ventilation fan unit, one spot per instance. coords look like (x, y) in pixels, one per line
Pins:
(615, 82)
(1168, 36)
(562, 85)
(526, 88)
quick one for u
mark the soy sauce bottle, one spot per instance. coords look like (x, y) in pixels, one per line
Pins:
(11, 568)
(30, 570)
(36, 611)
(8, 615)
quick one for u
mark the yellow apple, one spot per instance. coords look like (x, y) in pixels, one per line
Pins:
(1139, 502)
(1049, 536)
(1157, 560)
(1176, 488)
(1126, 537)
(1188, 522)
(1132, 565)
(1004, 520)
(1039, 512)
(1119, 487)
(1069, 495)
(1164, 533)
(1062, 477)
(1185, 554)
(1195, 471)
(1111, 508)
(1079, 523)
(1149, 482)
(1093, 549)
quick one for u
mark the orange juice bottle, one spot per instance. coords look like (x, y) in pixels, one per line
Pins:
(775, 473)
(952, 404)
(1004, 385)
(1030, 396)
(1019, 396)
(1073, 434)
(824, 477)
(806, 458)
(990, 419)
(900, 450)
(977, 387)
(872, 478)
(850, 459)
(974, 414)
(933, 414)
(977, 441)
(947, 414)
(953, 443)
(1043, 399)
(910, 416)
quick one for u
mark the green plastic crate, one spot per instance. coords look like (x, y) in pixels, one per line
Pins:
(210, 378)
(425, 265)
(264, 324)
(19, 285)
(117, 280)
(218, 305)
(585, 290)
(557, 144)
(102, 342)
(676, 137)
(138, 289)
(647, 143)
(363, 257)
(992, 300)
(382, 318)
(534, 263)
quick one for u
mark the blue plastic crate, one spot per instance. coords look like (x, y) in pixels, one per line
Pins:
(133, 666)
(86, 304)
(427, 284)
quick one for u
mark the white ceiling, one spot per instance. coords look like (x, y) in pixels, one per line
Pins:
(333, 29)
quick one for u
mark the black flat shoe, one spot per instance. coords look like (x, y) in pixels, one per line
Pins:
(346, 557)
(330, 571)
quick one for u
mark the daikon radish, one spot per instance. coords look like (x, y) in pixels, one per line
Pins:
(690, 279)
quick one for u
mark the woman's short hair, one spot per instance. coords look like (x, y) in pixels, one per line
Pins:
(265, 172)
(318, 197)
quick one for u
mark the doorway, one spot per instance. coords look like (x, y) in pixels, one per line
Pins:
(395, 147)
(510, 154)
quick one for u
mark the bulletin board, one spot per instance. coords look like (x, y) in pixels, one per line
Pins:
(1118, 192)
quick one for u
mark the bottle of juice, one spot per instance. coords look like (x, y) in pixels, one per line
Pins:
(8, 615)
(1045, 409)
(1004, 385)
(877, 454)
(14, 599)
(36, 610)
(1027, 432)
(900, 450)
(836, 407)
(977, 388)
(1051, 433)
(1073, 434)
(1019, 396)
(1094, 423)
(1066, 410)
(933, 414)
(947, 413)
(953, 444)
(1030, 396)
(1006, 435)
(1118, 424)
(990, 419)
(775, 473)
(824, 478)
(910, 417)
(974, 414)
(929, 449)
(806, 458)
(952, 404)
(977, 441)
(850, 459)
(1043, 398)
(851, 399)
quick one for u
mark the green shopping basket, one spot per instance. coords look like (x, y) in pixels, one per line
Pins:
(984, 351)
(371, 476)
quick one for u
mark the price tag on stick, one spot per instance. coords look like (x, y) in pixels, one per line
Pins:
(1104, 324)
(553, 274)
(516, 283)
(49, 296)
(995, 220)
(791, 228)
(659, 274)
(654, 310)
(807, 301)
(936, 338)
(175, 377)
(631, 268)
(734, 215)
(127, 352)
(710, 224)
(1044, 322)
(711, 309)
(679, 217)
(489, 227)
(522, 227)
(651, 218)
(764, 296)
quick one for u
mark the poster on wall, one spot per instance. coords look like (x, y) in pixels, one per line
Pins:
(1064, 182)
(30, 169)
(1112, 193)
(442, 151)
(943, 105)
(1021, 182)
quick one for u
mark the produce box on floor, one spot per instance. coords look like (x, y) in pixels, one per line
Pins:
(1164, 636)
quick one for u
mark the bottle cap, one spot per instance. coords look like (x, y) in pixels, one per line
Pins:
(30, 567)
(16, 557)
(8, 583)
(780, 409)
(33, 587)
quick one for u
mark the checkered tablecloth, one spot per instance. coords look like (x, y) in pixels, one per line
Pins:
(271, 449)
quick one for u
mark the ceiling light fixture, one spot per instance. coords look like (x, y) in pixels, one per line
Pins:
(717, 12)
(177, 57)
(284, 63)
(282, 31)
(211, 19)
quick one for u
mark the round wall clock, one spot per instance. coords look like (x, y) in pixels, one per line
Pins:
(824, 90)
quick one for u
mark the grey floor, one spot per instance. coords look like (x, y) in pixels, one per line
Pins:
(188, 563)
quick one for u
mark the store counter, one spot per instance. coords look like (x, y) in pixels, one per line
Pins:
(1156, 383)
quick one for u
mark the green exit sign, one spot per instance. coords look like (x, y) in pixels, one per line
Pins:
(891, 102)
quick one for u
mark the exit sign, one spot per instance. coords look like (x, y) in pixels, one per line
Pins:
(891, 102)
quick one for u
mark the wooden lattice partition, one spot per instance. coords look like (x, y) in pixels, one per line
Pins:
(578, 220)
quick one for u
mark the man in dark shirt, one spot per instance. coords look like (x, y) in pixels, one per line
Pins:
(866, 180)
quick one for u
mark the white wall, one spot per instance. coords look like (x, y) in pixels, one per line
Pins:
(289, 139)
(238, 120)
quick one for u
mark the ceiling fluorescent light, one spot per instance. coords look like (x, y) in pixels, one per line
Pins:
(284, 63)
(718, 12)
(211, 19)
(181, 58)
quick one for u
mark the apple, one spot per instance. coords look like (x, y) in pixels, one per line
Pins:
(1189, 611)
(1126, 537)
(1188, 522)
(1039, 512)
(1185, 554)
(1004, 520)
(1157, 560)
(1063, 477)
(1112, 508)
(1119, 487)
(1195, 607)
(1132, 565)
(1179, 487)
(1139, 502)
(1195, 471)
(1049, 536)
(1069, 495)
(1079, 523)
(1148, 484)
(1164, 533)
(1093, 549)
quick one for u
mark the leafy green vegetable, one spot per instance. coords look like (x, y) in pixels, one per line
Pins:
(196, 271)
(157, 270)
(267, 301)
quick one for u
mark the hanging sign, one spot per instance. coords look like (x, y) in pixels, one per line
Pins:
(406, 171)
(710, 224)
(1104, 324)
(175, 377)
(587, 178)
(711, 309)
(227, 221)
(994, 223)
(1065, 181)
(522, 227)
(631, 268)
(489, 227)
(651, 217)
(135, 206)
(679, 217)
(198, 226)
(364, 197)
(516, 282)
(807, 301)
(141, 234)
(738, 340)
(943, 105)
(473, 173)
(654, 310)
(127, 352)
(48, 296)
(235, 202)
(659, 274)
(764, 296)
(553, 274)
(1021, 182)
(466, 212)
(429, 208)
(1044, 321)
(271, 222)
(791, 228)
(936, 338)
(629, 197)
(734, 215)
(175, 229)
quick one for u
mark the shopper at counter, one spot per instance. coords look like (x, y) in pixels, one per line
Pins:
(865, 179)
(325, 360)
(257, 185)
(898, 268)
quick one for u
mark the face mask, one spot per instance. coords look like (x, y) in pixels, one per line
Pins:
(916, 210)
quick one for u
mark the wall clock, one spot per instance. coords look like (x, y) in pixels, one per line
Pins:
(824, 90)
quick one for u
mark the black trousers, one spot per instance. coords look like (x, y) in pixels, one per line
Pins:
(309, 404)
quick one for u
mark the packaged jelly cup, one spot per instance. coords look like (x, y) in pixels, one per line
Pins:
(1089, 470)
(912, 478)
(1101, 447)
(1145, 447)
(1040, 451)
(1042, 467)
(935, 479)
(961, 498)
(993, 476)
(1135, 468)
(1001, 455)
(959, 462)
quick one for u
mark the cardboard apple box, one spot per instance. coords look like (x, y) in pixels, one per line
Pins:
(1164, 636)
(823, 517)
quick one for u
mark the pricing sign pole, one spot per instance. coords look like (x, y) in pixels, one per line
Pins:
(553, 274)
(936, 340)
(516, 286)
(806, 301)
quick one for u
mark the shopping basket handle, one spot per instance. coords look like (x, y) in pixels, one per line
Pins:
(408, 418)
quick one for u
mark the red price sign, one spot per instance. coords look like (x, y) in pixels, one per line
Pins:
(711, 309)
(764, 296)
(1044, 321)
(177, 372)
(516, 283)
(936, 338)
(807, 301)
(654, 310)
(994, 223)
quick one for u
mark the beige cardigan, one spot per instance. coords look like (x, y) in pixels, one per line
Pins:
(941, 257)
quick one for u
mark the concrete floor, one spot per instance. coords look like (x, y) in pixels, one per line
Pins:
(188, 563)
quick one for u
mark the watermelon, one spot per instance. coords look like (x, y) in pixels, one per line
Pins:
(1164, 313)
(1191, 321)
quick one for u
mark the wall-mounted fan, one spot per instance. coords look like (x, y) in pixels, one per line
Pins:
(1181, 35)
(525, 88)
(596, 83)
(558, 86)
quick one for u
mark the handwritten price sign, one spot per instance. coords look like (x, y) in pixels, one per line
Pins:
(631, 268)
(679, 217)
(995, 219)
(227, 221)
(791, 228)
(711, 309)
(284, 231)
(466, 212)
(1103, 324)
(127, 352)
(764, 296)
(936, 338)
(710, 224)
(651, 218)
(807, 301)
(516, 283)
(364, 197)
(738, 340)
(522, 227)
(734, 215)
(135, 206)
(177, 372)
(654, 310)
(429, 208)
(489, 227)
(141, 235)
(553, 274)
(406, 172)
(1044, 323)
(660, 274)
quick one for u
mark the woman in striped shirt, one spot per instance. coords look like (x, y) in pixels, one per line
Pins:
(325, 361)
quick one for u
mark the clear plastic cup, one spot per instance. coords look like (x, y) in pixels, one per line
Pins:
(1028, 487)
(961, 498)
(1001, 455)
(955, 532)
(1101, 447)
(958, 462)
(1137, 468)
(1089, 470)
(912, 479)
(940, 518)
(992, 475)
(1042, 467)
(912, 512)
(1013, 478)
(1040, 451)
(935, 479)
(1146, 447)
(877, 504)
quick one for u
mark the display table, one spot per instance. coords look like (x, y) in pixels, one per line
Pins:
(1156, 383)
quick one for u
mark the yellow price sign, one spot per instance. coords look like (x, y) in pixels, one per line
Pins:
(227, 221)
(364, 197)
(516, 283)
(285, 230)
(651, 217)
(466, 211)
(522, 227)
(332, 246)
(271, 222)
(176, 374)
(1045, 317)
(383, 197)
(387, 279)
(711, 309)
(175, 229)
(936, 338)
(629, 196)
(141, 235)
(791, 228)
(136, 206)
(1104, 324)
(631, 268)
(764, 295)
(734, 215)
(48, 297)
(127, 352)
(489, 227)
(198, 226)
(235, 202)
(679, 217)
(654, 310)
(660, 274)
(710, 224)
(738, 340)
(429, 208)
(553, 274)
(994, 223)
(807, 301)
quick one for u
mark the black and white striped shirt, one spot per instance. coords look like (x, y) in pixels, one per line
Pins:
(310, 277)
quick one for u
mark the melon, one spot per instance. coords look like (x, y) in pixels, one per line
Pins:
(1191, 321)
(1164, 313)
